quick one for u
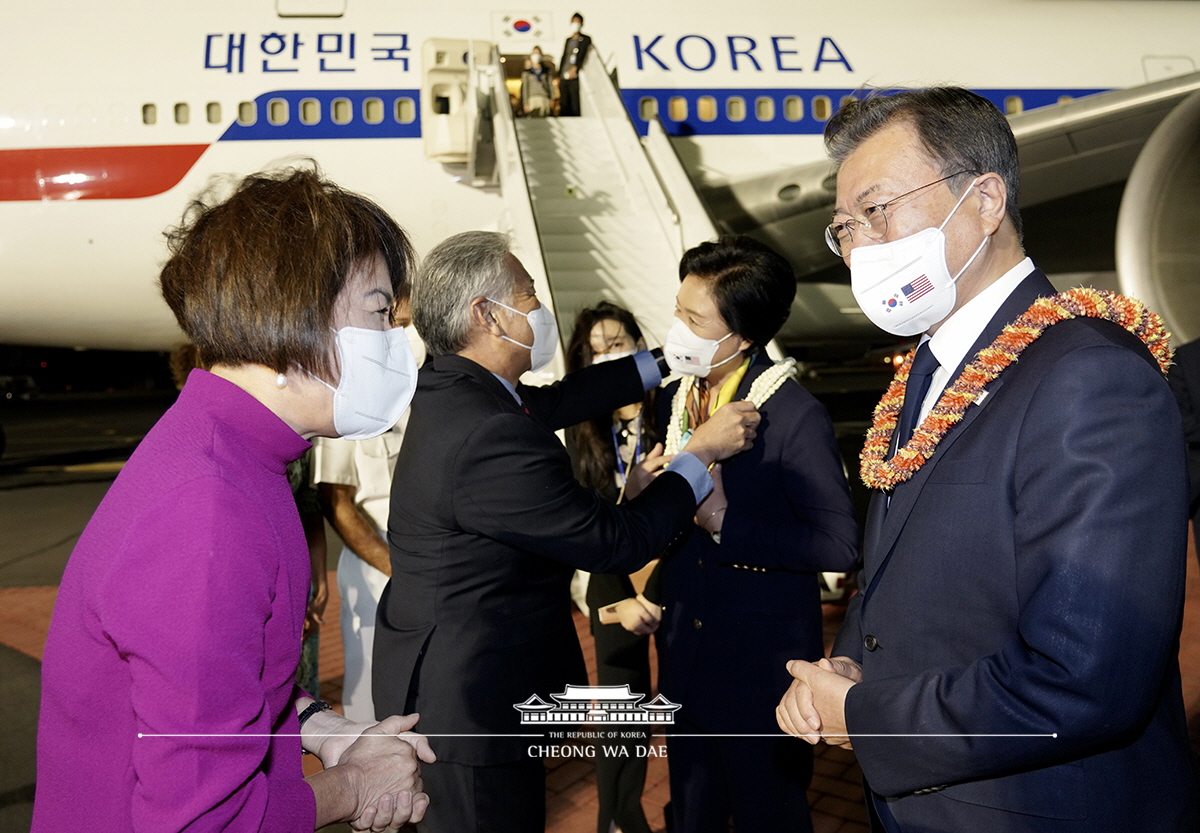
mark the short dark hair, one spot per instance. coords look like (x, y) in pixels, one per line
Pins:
(578, 15)
(579, 349)
(753, 284)
(959, 130)
(253, 279)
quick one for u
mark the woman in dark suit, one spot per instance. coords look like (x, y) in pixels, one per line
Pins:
(603, 451)
(740, 595)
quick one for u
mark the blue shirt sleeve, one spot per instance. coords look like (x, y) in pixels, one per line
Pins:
(693, 471)
(647, 365)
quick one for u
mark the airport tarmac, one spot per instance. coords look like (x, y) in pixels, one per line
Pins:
(60, 460)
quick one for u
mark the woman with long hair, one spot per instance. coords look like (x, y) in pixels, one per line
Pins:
(603, 452)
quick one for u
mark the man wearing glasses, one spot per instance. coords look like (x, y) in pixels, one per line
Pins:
(1010, 662)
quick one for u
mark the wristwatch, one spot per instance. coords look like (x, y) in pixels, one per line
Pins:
(313, 708)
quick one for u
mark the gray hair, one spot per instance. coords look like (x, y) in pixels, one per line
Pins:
(459, 269)
(959, 130)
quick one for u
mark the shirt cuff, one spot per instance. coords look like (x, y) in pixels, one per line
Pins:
(694, 472)
(647, 365)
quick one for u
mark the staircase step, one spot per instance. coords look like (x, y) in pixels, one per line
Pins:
(604, 224)
(600, 241)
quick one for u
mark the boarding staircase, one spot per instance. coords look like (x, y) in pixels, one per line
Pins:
(597, 212)
(600, 237)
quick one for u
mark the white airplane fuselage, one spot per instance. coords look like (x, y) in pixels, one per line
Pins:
(114, 115)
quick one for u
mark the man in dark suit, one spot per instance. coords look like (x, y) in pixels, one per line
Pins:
(1185, 383)
(487, 525)
(575, 52)
(1011, 661)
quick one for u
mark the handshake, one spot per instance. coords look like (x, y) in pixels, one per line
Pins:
(372, 777)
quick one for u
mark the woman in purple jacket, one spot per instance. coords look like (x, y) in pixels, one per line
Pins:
(167, 693)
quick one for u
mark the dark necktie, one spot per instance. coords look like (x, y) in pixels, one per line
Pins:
(919, 376)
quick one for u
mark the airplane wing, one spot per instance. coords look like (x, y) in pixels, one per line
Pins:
(1089, 142)
(1066, 149)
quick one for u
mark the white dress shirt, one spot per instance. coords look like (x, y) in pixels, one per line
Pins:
(954, 338)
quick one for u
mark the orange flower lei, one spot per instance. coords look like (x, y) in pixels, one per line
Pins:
(880, 473)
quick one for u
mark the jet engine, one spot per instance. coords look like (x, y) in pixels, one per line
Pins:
(1158, 226)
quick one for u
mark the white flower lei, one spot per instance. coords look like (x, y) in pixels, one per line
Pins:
(769, 381)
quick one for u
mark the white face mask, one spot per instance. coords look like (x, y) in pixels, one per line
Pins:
(545, 335)
(535, 59)
(378, 379)
(690, 354)
(904, 286)
(575, 27)
(600, 358)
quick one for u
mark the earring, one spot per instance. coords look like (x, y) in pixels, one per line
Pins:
(281, 381)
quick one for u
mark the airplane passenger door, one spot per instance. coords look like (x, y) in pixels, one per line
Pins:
(448, 108)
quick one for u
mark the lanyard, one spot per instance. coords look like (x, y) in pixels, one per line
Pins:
(637, 450)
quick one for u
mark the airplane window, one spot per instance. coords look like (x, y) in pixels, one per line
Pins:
(793, 108)
(310, 111)
(213, 112)
(1013, 105)
(149, 114)
(182, 113)
(706, 108)
(822, 108)
(677, 108)
(735, 108)
(372, 111)
(648, 108)
(342, 111)
(764, 108)
(247, 113)
(406, 110)
(277, 111)
(1063, 99)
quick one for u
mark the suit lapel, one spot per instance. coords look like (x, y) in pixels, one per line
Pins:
(884, 526)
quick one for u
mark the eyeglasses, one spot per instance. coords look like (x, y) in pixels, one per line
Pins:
(871, 220)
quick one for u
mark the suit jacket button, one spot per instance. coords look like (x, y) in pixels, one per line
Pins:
(870, 642)
(699, 562)
(697, 624)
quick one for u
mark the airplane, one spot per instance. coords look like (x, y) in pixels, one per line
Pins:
(698, 118)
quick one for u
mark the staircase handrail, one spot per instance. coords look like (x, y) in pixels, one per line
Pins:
(602, 100)
(518, 219)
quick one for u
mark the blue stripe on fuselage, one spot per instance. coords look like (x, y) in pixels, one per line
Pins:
(388, 126)
(790, 111)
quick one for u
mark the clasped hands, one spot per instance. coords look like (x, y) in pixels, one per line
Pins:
(379, 766)
(814, 706)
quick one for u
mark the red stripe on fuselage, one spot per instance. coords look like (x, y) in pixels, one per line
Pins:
(105, 173)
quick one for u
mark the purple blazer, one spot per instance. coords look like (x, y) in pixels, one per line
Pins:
(167, 682)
